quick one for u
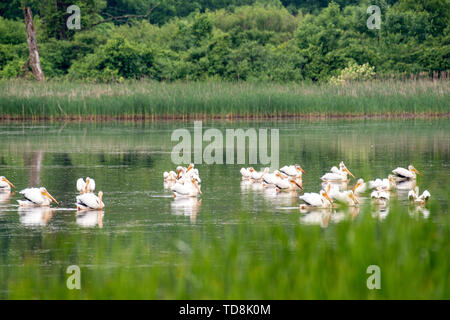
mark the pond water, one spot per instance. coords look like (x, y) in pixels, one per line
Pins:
(127, 161)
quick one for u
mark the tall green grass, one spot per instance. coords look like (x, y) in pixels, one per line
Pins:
(143, 99)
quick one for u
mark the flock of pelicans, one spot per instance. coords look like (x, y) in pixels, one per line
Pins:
(184, 183)
(40, 197)
(334, 185)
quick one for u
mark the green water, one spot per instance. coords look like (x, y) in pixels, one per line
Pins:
(230, 242)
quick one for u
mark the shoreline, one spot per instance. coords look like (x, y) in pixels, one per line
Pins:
(228, 117)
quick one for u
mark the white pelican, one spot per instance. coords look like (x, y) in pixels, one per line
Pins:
(385, 184)
(89, 201)
(337, 174)
(5, 184)
(360, 186)
(288, 184)
(270, 179)
(379, 196)
(346, 197)
(246, 172)
(405, 185)
(189, 189)
(255, 175)
(170, 176)
(317, 200)
(90, 185)
(81, 185)
(413, 195)
(36, 197)
(406, 174)
(294, 171)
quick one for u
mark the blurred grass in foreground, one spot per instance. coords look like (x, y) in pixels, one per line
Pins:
(150, 100)
(254, 259)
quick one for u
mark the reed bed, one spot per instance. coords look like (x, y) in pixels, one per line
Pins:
(183, 100)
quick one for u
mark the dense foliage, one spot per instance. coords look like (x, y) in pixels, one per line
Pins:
(288, 40)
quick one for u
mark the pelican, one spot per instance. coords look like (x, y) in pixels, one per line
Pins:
(346, 197)
(170, 176)
(36, 197)
(287, 185)
(385, 184)
(379, 196)
(5, 184)
(405, 185)
(413, 195)
(294, 171)
(255, 175)
(337, 174)
(189, 189)
(89, 201)
(193, 174)
(360, 186)
(90, 185)
(406, 174)
(270, 179)
(81, 185)
(317, 200)
(246, 172)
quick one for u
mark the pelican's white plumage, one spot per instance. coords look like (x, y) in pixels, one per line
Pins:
(81, 185)
(189, 188)
(257, 175)
(414, 196)
(246, 172)
(90, 185)
(170, 176)
(35, 197)
(380, 196)
(89, 201)
(346, 197)
(385, 184)
(336, 174)
(318, 200)
(5, 184)
(294, 171)
(270, 179)
(402, 173)
(289, 184)
(360, 186)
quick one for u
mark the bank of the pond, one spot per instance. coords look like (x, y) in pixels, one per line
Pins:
(148, 100)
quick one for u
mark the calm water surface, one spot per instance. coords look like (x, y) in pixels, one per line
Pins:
(127, 161)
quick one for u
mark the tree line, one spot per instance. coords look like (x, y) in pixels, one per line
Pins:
(269, 40)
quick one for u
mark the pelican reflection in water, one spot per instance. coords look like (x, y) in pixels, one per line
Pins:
(90, 218)
(35, 216)
(186, 206)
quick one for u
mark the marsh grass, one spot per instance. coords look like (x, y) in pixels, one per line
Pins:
(250, 260)
(147, 99)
